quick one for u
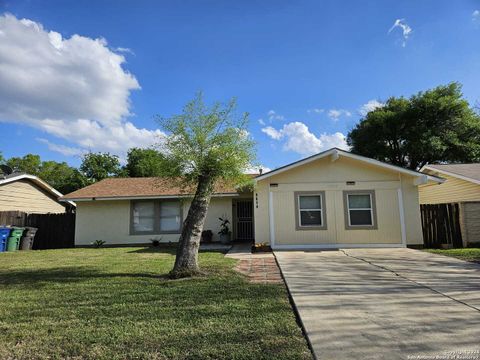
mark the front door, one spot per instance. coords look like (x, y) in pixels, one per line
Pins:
(243, 211)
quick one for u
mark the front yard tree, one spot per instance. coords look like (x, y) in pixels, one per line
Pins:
(204, 145)
(434, 126)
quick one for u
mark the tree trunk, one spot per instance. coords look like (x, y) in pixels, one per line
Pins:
(186, 261)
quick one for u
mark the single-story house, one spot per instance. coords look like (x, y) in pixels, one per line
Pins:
(29, 193)
(329, 200)
(462, 186)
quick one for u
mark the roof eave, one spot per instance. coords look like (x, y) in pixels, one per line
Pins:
(147, 197)
(462, 177)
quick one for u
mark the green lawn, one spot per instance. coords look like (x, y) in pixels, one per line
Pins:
(117, 303)
(467, 254)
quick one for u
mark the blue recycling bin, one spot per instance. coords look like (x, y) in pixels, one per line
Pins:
(4, 233)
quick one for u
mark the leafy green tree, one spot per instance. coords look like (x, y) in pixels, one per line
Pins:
(29, 164)
(434, 126)
(144, 162)
(99, 166)
(61, 176)
(205, 145)
(2, 159)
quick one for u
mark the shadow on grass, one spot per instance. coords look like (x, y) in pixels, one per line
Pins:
(35, 278)
(172, 250)
(163, 249)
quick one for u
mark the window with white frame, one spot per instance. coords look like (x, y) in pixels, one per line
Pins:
(155, 217)
(310, 210)
(360, 209)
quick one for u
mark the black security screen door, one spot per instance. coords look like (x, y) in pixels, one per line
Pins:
(244, 223)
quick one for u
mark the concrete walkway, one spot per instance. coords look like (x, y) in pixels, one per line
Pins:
(385, 303)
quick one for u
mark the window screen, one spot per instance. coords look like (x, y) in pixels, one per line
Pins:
(360, 210)
(310, 210)
(143, 216)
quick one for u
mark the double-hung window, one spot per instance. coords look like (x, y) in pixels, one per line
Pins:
(360, 209)
(155, 217)
(310, 210)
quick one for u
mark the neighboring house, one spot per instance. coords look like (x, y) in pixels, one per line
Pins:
(329, 200)
(28, 193)
(462, 186)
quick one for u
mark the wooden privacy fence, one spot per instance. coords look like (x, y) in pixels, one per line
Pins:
(441, 225)
(55, 231)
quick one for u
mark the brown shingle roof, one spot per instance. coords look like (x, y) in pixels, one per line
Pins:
(471, 171)
(138, 187)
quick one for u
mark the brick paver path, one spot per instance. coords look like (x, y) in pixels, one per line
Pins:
(260, 269)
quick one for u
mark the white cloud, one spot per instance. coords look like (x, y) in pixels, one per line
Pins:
(72, 88)
(62, 149)
(125, 50)
(476, 16)
(406, 30)
(272, 132)
(272, 115)
(370, 106)
(261, 122)
(335, 114)
(298, 138)
(315, 111)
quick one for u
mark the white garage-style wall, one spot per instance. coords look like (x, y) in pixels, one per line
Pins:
(275, 205)
(109, 220)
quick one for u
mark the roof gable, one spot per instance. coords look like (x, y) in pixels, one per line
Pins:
(336, 153)
(36, 181)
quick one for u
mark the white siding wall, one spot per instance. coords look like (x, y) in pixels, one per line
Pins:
(110, 221)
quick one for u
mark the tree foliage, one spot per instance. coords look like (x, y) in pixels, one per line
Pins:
(434, 126)
(59, 175)
(29, 164)
(144, 162)
(204, 145)
(208, 142)
(99, 166)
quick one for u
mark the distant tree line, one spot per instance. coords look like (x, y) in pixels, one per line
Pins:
(94, 167)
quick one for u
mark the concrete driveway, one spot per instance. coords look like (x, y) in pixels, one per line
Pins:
(385, 303)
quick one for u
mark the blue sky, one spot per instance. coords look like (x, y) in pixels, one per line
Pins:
(79, 75)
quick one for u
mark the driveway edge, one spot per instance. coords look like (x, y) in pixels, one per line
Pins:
(295, 310)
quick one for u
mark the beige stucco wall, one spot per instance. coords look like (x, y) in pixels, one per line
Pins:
(331, 177)
(25, 196)
(110, 221)
(452, 190)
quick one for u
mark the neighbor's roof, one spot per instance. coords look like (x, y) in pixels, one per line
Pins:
(138, 188)
(335, 153)
(468, 172)
(6, 179)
